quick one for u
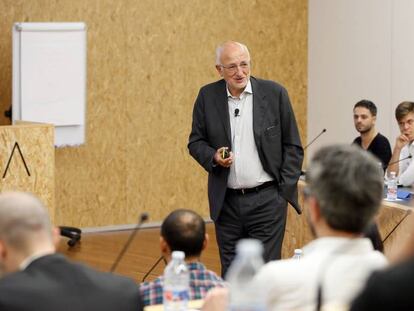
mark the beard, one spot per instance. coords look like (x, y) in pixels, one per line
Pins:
(364, 130)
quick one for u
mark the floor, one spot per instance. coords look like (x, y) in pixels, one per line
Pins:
(100, 251)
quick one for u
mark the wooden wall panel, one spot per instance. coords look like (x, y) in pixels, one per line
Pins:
(27, 161)
(176, 57)
(146, 62)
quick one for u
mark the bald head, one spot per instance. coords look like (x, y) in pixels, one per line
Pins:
(23, 218)
(228, 46)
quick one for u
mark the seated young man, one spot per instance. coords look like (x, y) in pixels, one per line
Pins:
(365, 117)
(183, 230)
(401, 162)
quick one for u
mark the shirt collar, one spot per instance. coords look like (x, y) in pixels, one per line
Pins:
(338, 245)
(247, 90)
(195, 266)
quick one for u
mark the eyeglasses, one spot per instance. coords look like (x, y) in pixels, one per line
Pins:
(232, 68)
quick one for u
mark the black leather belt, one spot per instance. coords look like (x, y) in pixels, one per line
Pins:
(251, 190)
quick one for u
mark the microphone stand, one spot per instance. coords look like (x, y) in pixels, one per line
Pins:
(306, 147)
(142, 218)
(153, 267)
(303, 173)
(395, 162)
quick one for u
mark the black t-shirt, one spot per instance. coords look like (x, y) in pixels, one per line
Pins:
(379, 147)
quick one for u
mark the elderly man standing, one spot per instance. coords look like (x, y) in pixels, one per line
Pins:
(38, 279)
(244, 134)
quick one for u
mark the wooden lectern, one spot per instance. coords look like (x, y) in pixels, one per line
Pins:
(27, 161)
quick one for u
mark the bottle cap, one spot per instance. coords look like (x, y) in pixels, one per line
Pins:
(298, 251)
(178, 255)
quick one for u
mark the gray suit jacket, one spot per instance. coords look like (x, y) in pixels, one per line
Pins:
(275, 133)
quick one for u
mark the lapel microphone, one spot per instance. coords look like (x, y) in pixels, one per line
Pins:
(142, 218)
(236, 112)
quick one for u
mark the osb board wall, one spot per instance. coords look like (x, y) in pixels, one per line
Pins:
(147, 60)
(27, 161)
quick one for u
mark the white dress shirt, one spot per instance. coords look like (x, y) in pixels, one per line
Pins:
(406, 167)
(247, 170)
(340, 265)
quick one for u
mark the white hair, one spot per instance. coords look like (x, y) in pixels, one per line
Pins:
(222, 46)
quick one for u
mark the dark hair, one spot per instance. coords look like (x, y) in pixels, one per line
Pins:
(368, 105)
(184, 230)
(348, 185)
(403, 109)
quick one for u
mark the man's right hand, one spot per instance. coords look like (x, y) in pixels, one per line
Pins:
(218, 157)
(401, 141)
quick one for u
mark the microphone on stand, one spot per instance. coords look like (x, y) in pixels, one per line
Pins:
(303, 173)
(395, 162)
(153, 267)
(142, 218)
(313, 140)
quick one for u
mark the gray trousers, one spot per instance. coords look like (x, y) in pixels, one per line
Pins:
(258, 215)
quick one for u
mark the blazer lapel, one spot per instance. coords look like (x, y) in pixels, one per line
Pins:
(259, 108)
(222, 106)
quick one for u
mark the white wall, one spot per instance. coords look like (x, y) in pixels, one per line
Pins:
(358, 50)
(402, 51)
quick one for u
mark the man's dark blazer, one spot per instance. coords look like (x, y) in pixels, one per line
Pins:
(390, 289)
(275, 133)
(52, 283)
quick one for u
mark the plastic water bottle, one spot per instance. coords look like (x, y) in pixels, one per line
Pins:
(392, 187)
(176, 283)
(297, 253)
(245, 294)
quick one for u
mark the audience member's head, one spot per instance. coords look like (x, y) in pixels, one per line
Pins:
(25, 229)
(183, 230)
(404, 113)
(365, 116)
(367, 104)
(345, 188)
(403, 110)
